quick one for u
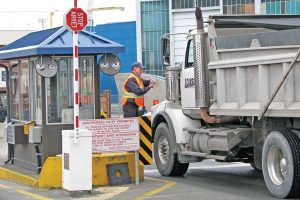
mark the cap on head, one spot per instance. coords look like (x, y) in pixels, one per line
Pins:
(137, 64)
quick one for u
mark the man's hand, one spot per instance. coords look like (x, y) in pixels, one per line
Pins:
(152, 83)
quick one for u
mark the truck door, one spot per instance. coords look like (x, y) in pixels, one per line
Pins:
(187, 83)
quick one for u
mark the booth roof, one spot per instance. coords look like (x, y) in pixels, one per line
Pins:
(58, 41)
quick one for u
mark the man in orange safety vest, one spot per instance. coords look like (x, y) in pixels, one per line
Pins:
(134, 89)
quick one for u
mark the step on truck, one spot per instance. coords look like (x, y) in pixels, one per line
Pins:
(235, 98)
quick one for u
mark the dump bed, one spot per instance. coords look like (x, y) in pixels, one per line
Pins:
(248, 61)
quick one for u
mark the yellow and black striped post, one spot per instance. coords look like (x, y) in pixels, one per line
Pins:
(145, 152)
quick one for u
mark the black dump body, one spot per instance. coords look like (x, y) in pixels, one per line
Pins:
(270, 30)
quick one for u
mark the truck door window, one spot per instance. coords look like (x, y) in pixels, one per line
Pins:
(189, 59)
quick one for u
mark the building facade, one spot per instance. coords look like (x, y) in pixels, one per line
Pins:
(157, 17)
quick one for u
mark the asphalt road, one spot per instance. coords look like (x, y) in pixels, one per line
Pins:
(216, 181)
(206, 180)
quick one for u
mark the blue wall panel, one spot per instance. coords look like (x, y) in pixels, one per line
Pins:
(123, 33)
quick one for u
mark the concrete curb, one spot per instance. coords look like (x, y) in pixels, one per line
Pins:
(16, 177)
(51, 174)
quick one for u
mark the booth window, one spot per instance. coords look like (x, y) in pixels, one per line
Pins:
(60, 91)
(24, 90)
(14, 76)
(38, 101)
(3, 75)
(20, 90)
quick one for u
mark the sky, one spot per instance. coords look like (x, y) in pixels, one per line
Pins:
(35, 14)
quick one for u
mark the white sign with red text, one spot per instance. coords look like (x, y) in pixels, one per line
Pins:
(113, 135)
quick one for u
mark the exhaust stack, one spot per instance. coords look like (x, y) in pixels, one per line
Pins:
(199, 19)
(201, 74)
(200, 63)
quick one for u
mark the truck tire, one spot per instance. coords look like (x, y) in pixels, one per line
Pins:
(165, 158)
(281, 164)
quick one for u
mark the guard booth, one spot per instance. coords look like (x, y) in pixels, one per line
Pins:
(40, 90)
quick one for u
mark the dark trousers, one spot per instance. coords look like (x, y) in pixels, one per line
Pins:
(130, 110)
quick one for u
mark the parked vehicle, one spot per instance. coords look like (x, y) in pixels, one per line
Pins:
(236, 98)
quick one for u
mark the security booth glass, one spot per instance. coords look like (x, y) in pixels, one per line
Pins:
(28, 98)
(20, 89)
(26, 92)
(60, 91)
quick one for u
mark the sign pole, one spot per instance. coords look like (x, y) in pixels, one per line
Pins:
(137, 174)
(76, 173)
(75, 81)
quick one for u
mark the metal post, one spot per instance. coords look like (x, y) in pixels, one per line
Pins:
(75, 81)
(137, 174)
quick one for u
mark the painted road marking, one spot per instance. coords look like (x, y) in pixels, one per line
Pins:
(157, 190)
(35, 196)
(4, 186)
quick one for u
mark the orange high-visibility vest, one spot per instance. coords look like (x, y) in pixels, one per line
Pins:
(139, 100)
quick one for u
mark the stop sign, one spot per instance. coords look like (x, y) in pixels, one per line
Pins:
(75, 19)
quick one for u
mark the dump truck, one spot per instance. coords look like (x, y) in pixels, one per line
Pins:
(234, 98)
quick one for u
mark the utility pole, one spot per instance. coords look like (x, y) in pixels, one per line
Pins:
(42, 21)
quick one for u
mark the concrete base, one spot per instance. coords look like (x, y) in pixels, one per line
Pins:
(78, 193)
(51, 174)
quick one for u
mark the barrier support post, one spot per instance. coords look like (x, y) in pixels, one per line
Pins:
(137, 174)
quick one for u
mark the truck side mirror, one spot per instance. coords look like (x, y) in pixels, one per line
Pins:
(165, 50)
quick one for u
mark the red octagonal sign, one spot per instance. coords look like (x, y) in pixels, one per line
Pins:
(75, 19)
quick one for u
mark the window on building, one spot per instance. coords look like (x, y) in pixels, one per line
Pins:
(155, 23)
(231, 7)
(182, 4)
(280, 7)
(207, 3)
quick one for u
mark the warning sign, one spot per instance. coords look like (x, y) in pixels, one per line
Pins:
(113, 135)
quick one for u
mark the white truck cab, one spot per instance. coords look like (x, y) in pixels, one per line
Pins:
(234, 99)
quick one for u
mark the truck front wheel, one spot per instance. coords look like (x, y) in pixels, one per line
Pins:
(165, 158)
(281, 164)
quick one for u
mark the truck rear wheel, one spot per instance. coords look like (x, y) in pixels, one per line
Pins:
(165, 158)
(281, 164)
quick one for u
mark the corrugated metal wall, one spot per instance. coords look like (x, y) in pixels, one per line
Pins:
(182, 22)
(123, 33)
